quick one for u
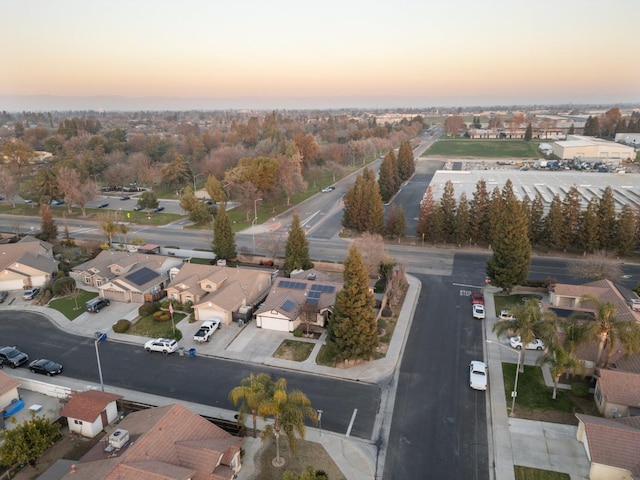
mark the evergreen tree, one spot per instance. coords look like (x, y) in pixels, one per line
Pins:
(461, 222)
(48, 227)
(496, 208)
(589, 231)
(297, 249)
(571, 207)
(607, 220)
(375, 208)
(554, 225)
(396, 223)
(528, 134)
(406, 162)
(224, 240)
(536, 219)
(509, 264)
(479, 212)
(427, 206)
(388, 177)
(591, 127)
(353, 328)
(572, 130)
(354, 205)
(436, 232)
(363, 208)
(626, 230)
(447, 209)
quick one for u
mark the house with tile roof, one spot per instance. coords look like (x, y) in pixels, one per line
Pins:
(126, 276)
(218, 291)
(298, 299)
(90, 412)
(169, 442)
(612, 446)
(617, 393)
(8, 389)
(28, 263)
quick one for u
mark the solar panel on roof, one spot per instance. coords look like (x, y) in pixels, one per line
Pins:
(142, 276)
(299, 285)
(287, 306)
(313, 301)
(314, 294)
(290, 284)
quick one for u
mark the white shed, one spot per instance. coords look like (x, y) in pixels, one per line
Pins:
(88, 413)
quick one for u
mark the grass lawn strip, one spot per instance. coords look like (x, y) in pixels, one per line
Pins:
(147, 327)
(71, 307)
(484, 148)
(294, 350)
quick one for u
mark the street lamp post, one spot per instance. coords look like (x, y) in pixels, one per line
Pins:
(253, 223)
(194, 181)
(320, 420)
(100, 337)
(514, 392)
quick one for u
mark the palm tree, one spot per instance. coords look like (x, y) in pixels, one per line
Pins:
(252, 392)
(529, 322)
(561, 360)
(607, 329)
(289, 410)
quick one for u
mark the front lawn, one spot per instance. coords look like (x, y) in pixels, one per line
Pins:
(533, 395)
(147, 327)
(72, 307)
(527, 473)
(294, 350)
(484, 148)
(506, 302)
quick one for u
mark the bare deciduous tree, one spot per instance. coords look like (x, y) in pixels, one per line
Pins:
(600, 265)
(373, 252)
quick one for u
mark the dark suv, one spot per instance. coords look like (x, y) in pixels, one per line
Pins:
(97, 304)
(12, 357)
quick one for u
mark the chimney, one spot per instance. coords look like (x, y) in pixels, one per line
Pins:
(74, 468)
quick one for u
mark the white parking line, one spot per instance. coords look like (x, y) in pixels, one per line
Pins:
(353, 419)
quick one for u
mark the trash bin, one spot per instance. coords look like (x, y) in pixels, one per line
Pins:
(181, 351)
(192, 352)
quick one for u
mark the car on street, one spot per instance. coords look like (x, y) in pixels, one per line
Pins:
(57, 202)
(137, 208)
(28, 200)
(45, 367)
(3, 296)
(477, 297)
(478, 311)
(159, 208)
(328, 189)
(103, 204)
(125, 197)
(13, 357)
(516, 343)
(506, 315)
(164, 345)
(30, 294)
(478, 375)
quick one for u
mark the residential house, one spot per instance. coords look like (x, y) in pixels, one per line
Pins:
(617, 393)
(612, 446)
(296, 300)
(90, 412)
(28, 263)
(126, 276)
(169, 442)
(8, 389)
(217, 291)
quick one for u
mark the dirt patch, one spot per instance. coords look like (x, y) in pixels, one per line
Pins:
(584, 405)
(308, 454)
(294, 350)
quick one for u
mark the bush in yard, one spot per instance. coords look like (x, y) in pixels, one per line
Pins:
(63, 286)
(161, 316)
(121, 326)
(148, 308)
(580, 389)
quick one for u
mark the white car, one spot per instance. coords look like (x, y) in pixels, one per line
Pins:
(516, 343)
(164, 345)
(505, 315)
(478, 311)
(478, 375)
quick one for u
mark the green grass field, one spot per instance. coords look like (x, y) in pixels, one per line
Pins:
(72, 307)
(484, 148)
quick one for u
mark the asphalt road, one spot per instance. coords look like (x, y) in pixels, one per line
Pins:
(203, 380)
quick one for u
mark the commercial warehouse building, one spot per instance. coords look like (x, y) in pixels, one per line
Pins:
(579, 146)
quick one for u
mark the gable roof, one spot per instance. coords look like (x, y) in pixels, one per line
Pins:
(289, 297)
(168, 442)
(87, 406)
(7, 383)
(620, 387)
(35, 254)
(611, 441)
(106, 259)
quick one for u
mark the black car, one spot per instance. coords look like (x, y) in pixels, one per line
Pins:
(13, 357)
(3, 296)
(159, 208)
(45, 367)
(103, 204)
(126, 197)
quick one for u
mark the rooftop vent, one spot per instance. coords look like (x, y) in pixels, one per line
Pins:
(119, 438)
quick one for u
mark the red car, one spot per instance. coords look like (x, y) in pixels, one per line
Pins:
(477, 297)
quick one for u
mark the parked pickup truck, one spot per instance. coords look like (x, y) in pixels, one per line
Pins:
(207, 330)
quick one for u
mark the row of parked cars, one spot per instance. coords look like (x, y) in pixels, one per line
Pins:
(15, 358)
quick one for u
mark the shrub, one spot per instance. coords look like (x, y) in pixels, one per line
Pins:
(148, 308)
(161, 316)
(297, 332)
(63, 286)
(580, 389)
(121, 326)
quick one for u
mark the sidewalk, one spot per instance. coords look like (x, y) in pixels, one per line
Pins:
(514, 441)
(356, 458)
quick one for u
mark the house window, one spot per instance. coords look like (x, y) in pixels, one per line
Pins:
(78, 422)
(87, 280)
(188, 299)
(598, 394)
(98, 283)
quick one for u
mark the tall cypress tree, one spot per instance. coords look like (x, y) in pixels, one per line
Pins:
(461, 221)
(554, 224)
(427, 207)
(589, 231)
(374, 219)
(406, 162)
(224, 240)
(509, 264)
(388, 177)
(297, 249)
(353, 328)
(479, 212)
(626, 230)
(607, 220)
(528, 134)
(571, 207)
(448, 211)
(48, 227)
